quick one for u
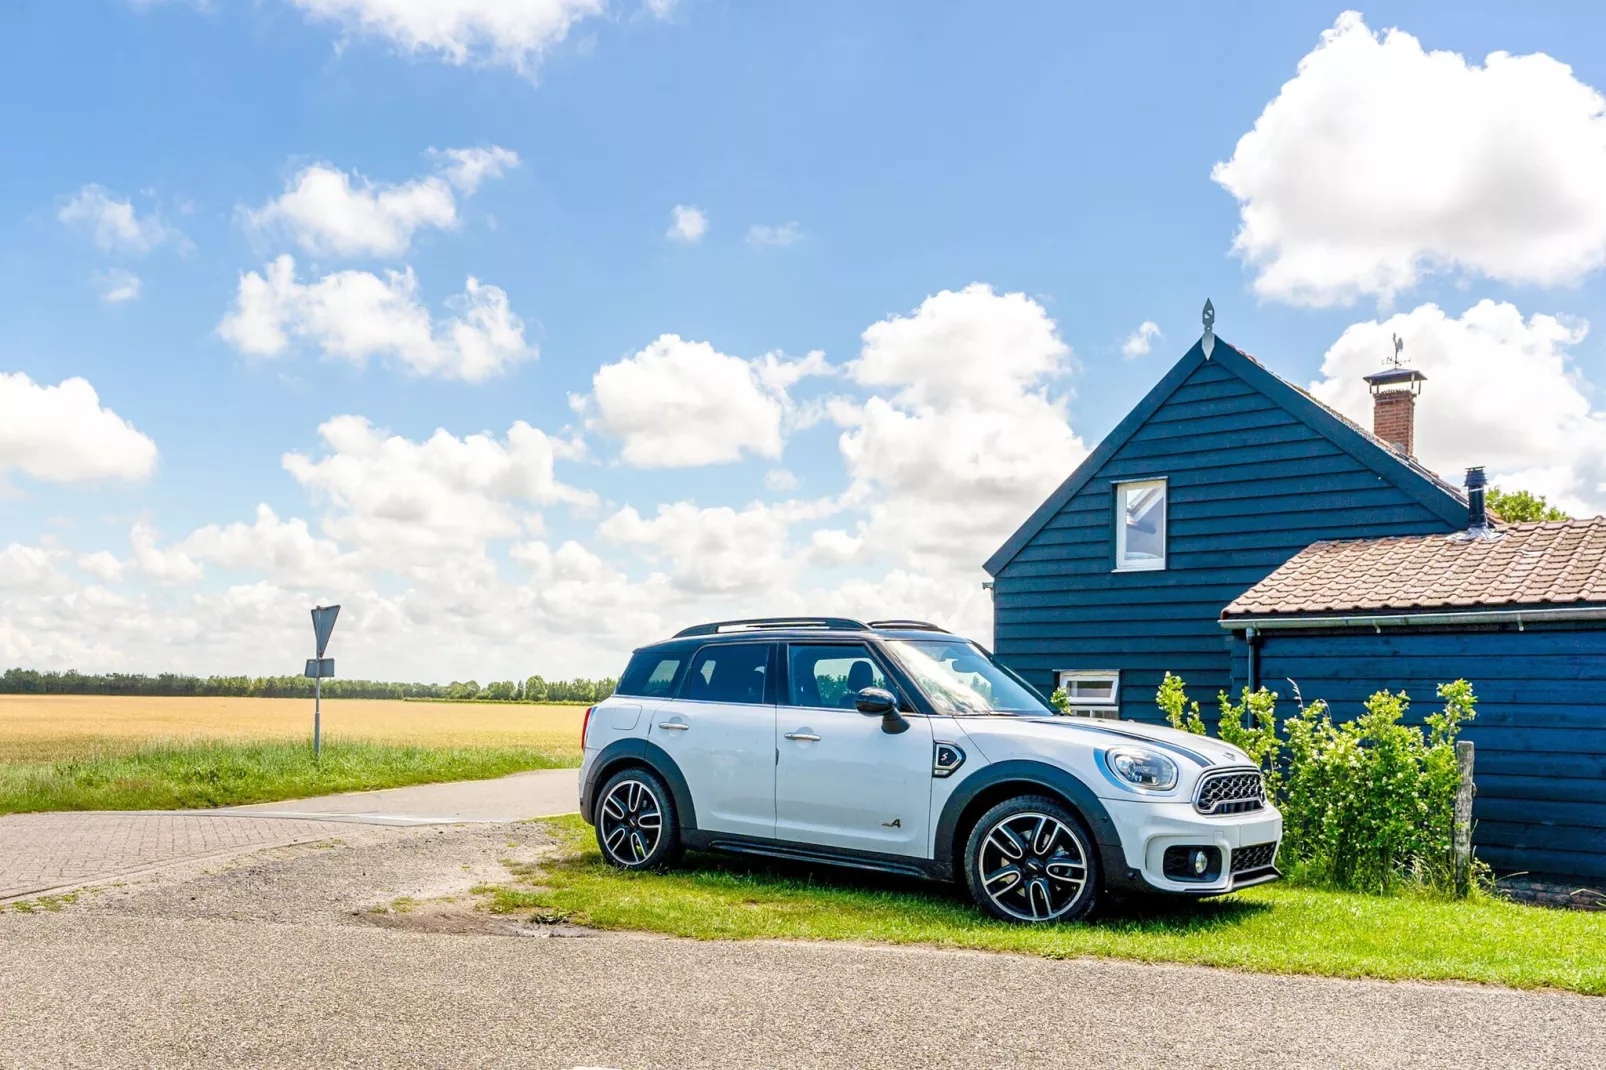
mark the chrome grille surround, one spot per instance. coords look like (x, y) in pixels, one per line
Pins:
(1230, 791)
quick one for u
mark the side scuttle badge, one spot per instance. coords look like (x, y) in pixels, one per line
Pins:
(946, 758)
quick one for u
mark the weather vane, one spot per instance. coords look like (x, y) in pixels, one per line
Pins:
(1399, 347)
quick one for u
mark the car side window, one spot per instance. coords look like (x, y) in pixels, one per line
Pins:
(728, 672)
(831, 675)
(651, 675)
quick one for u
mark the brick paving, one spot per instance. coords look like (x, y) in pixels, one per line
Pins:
(56, 851)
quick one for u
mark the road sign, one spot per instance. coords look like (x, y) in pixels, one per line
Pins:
(320, 669)
(323, 622)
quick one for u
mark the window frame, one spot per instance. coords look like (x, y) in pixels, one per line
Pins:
(770, 689)
(875, 656)
(1119, 518)
(1109, 709)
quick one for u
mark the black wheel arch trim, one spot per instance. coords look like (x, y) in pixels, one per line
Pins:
(635, 751)
(1052, 778)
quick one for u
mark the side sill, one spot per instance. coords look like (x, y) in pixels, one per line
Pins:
(824, 856)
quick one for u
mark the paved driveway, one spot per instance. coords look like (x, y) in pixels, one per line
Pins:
(292, 958)
(51, 853)
(44, 853)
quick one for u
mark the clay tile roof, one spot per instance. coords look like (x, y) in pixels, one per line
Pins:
(1538, 564)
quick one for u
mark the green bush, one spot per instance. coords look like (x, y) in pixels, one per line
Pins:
(1368, 804)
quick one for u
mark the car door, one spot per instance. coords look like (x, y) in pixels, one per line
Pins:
(840, 780)
(720, 731)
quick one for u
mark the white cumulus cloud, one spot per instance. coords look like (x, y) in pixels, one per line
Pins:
(686, 224)
(113, 223)
(969, 441)
(355, 315)
(1381, 161)
(508, 33)
(118, 285)
(62, 434)
(330, 212)
(285, 549)
(718, 550)
(1140, 341)
(411, 505)
(1502, 391)
(680, 403)
(467, 168)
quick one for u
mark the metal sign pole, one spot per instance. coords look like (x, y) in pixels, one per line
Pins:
(323, 622)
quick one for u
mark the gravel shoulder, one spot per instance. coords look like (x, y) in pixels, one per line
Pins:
(365, 950)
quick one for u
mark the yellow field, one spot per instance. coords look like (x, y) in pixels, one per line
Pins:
(46, 727)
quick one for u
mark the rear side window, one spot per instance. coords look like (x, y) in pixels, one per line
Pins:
(652, 674)
(736, 672)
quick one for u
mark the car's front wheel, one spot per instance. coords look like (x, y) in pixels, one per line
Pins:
(636, 821)
(1030, 859)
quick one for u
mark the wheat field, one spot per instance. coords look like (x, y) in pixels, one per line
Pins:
(36, 728)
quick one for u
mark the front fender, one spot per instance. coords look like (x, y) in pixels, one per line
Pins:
(1042, 775)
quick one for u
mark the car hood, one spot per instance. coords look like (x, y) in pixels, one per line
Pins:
(1006, 737)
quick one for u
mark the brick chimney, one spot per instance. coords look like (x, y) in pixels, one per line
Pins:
(1394, 394)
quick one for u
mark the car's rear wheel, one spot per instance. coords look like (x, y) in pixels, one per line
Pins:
(636, 821)
(1030, 859)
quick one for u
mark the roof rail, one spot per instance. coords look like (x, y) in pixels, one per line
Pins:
(912, 625)
(832, 624)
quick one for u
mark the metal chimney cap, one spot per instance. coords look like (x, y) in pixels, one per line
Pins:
(1476, 479)
(1391, 376)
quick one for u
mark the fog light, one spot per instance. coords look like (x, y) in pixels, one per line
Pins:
(1201, 862)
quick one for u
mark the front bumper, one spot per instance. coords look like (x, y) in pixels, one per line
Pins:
(1148, 828)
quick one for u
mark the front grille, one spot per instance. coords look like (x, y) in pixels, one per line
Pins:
(1230, 793)
(1258, 856)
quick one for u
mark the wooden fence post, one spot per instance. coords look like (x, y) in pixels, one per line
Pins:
(1462, 836)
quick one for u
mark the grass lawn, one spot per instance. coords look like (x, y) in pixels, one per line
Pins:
(225, 773)
(1276, 928)
(70, 752)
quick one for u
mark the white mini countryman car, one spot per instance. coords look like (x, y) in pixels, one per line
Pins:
(896, 746)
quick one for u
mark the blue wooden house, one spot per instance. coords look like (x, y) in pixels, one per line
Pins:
(1151, 558)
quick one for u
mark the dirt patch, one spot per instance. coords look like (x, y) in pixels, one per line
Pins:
(468, 915)
(419, 878)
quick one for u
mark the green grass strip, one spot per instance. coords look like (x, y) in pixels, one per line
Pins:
(1274, 929)
(218, 773)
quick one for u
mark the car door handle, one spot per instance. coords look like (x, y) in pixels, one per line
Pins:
(809, 737)
(676, 726)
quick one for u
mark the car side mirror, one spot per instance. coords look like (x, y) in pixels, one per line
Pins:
(879, 702)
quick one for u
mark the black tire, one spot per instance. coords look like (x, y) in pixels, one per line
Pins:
(1031, 860)
(627, 804)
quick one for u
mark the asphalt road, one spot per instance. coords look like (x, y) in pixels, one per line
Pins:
(281, 960)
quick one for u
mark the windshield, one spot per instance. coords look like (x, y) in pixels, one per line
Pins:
(960, 679)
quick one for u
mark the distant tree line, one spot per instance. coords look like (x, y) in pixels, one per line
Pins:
(71, 682)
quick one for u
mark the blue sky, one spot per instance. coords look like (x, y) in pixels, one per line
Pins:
(897, 152)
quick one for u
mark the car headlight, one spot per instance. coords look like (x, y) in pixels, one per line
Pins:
(1142, 768)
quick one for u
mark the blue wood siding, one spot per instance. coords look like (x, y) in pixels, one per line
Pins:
(1249, 485)
(1540, 732)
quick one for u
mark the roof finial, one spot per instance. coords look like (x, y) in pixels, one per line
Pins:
(1208, 342)
(1399, 347)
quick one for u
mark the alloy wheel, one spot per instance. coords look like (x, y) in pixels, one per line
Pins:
(631, 820)
(1033, 866)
